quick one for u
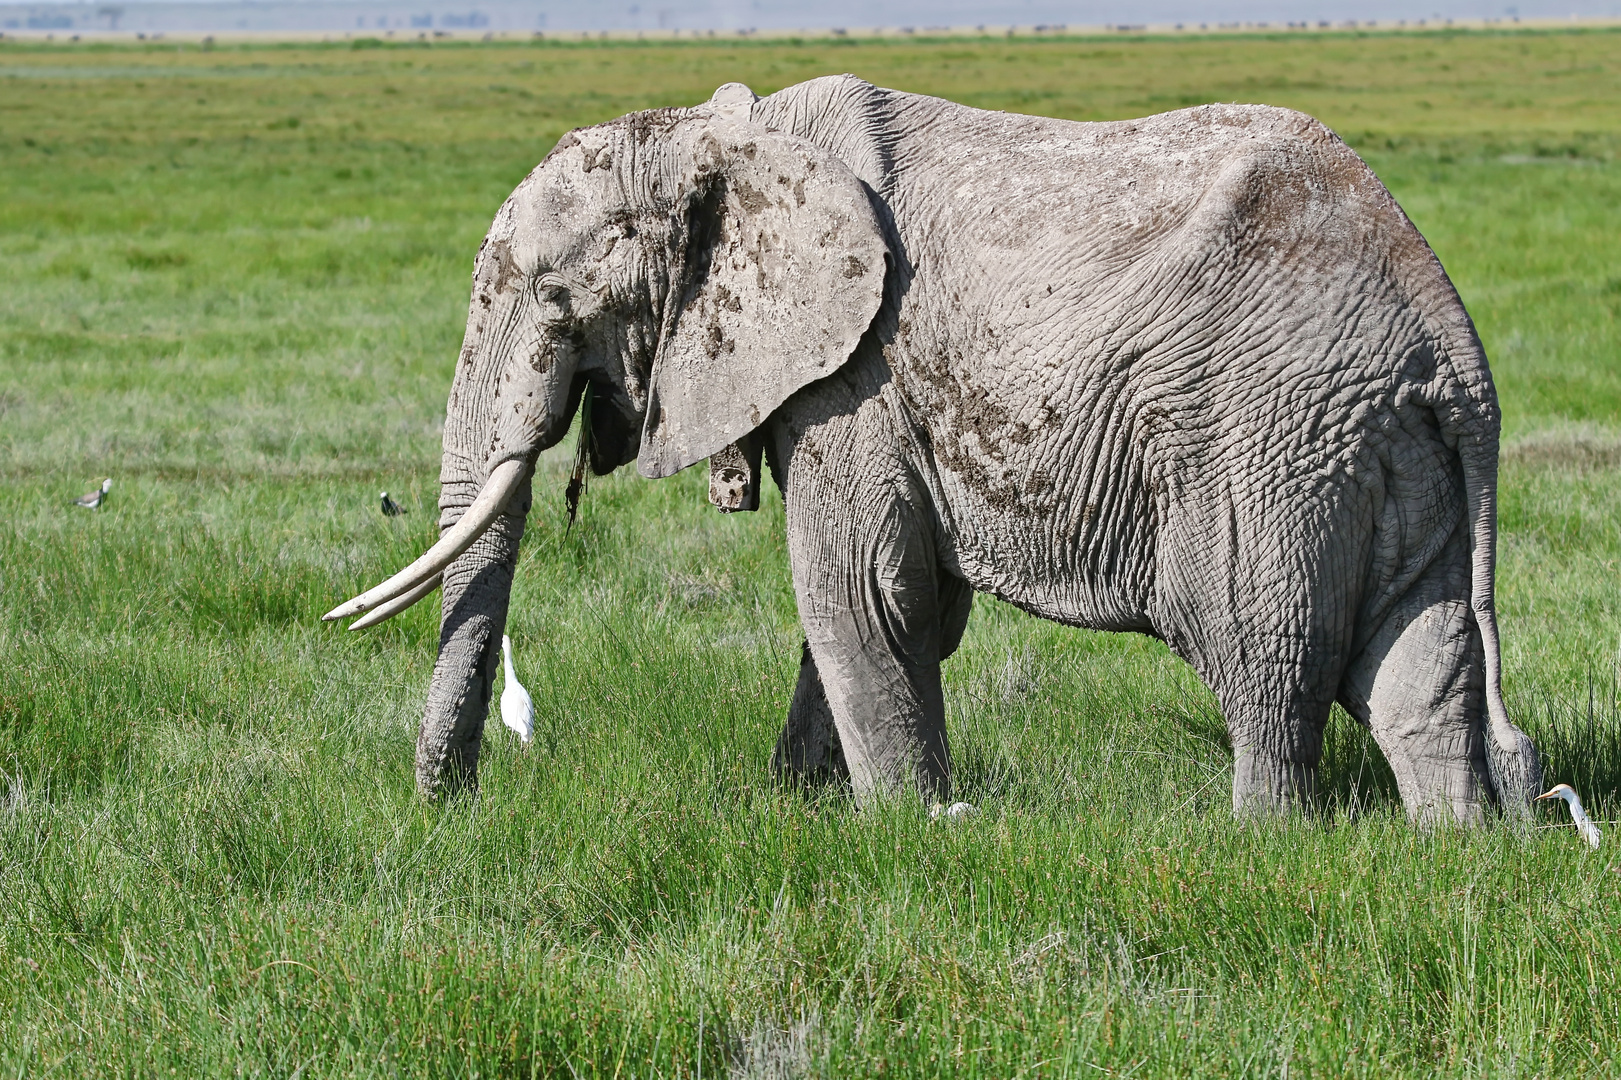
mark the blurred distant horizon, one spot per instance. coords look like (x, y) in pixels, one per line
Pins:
(732, 16)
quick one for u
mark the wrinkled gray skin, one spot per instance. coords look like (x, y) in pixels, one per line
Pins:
(1194, 376)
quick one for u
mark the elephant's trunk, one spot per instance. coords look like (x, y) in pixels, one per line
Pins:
(481, 521)
(510, 400)
(486, 519)
(477, 586)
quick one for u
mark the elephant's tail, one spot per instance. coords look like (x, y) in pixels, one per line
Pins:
(1468, 413)
(1511, 758)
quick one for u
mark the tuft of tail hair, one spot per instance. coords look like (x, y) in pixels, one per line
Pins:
(1515, 771)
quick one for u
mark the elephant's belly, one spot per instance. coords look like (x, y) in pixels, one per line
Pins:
(1069, 540)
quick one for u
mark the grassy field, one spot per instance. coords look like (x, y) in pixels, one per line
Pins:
(235, 282)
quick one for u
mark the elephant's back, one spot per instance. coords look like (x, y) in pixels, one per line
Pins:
(1010, 184)
(1227, 288)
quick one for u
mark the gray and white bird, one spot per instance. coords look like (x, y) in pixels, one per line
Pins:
(1584, 824)
(94, 499)
(390, 507)
(517, 707)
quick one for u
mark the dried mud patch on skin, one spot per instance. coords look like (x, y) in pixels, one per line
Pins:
(1565, 449)
(507, 269)
(982, 431)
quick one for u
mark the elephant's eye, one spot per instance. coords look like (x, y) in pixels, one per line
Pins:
(552, 297)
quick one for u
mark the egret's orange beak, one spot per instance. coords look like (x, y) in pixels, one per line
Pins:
(1547, 795)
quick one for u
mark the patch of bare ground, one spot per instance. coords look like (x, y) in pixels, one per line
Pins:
(1565, 449)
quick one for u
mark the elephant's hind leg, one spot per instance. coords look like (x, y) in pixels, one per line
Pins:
(1265, 615)
(1419, 684)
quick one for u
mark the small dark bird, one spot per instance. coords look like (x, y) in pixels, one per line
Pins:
(390, 507)
(94, 499)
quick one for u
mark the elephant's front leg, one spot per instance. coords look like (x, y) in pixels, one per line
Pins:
(868, 587)
(808, 750)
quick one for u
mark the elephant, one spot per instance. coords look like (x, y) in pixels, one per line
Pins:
(1195, 376)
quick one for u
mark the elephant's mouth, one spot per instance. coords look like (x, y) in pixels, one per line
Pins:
(613, 430)
(612, 426)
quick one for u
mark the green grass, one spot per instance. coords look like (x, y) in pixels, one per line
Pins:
(235, 281)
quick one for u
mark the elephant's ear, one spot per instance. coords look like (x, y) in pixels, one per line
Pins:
(782, 273)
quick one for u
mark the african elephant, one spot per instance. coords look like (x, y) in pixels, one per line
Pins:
(1194, 376)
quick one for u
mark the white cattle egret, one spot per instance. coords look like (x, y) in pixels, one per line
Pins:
(955, 812)
(1584, 824)
(390, 507)
(94, 499)
(517, 708)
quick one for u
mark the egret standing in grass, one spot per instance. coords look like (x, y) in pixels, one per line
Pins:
(1584, 824)
(517, 708)
(94, 499)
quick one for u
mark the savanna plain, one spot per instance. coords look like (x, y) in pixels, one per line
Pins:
(235, 282)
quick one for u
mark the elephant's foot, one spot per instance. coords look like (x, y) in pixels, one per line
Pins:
(1265, 785)
(809, 759)
(1439, 781)
(1432, 813)
(450, 773)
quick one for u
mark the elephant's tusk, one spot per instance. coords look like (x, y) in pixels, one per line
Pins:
(385, 612)
(491, 501)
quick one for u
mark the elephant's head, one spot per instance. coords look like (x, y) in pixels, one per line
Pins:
(694, 271)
